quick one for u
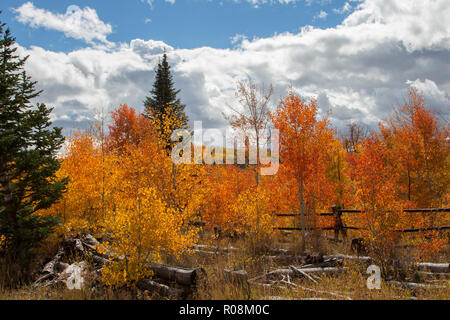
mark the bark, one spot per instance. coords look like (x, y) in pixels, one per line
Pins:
(239, 277)
(434, 267)
(302, 212)
(343, 257)
(293, 274)
(182, 276)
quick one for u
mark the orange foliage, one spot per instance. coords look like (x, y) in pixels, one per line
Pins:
(305, 140)
(133, 191)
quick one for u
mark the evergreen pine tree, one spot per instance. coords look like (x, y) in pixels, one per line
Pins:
(164, 96)
(28, 162)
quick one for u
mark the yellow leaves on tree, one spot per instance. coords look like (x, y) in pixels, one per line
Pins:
(83, 204)
(254, 214)
(130, 192)
(141, 227)
(126, 186)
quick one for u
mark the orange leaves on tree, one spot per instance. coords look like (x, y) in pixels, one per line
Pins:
(420, 149)
(305, 140)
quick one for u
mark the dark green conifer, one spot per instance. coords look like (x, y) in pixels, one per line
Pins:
(28, 159)
(164, 96)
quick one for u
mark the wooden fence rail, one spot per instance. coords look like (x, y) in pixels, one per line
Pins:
(340, 228)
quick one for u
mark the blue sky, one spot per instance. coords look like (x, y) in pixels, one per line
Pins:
(358, 58)
(183, 24)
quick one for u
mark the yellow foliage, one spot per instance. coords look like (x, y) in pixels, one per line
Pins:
(140, 228)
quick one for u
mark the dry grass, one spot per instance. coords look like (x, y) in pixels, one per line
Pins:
(351, 283)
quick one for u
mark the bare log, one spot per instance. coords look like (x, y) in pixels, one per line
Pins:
(343, 257)
(239, 277)
(434, 267)
(333, 262)
(182, 276)
(208, 253)
(291, 273)
(214, 249)
(303, 273)
(99, 262)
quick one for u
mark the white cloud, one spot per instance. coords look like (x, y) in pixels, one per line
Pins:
(150, 2)
(321, 15)
(82, 24)
(237, 38)
(345, 8)
(361, 68)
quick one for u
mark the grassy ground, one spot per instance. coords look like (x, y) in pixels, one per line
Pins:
(350, 284)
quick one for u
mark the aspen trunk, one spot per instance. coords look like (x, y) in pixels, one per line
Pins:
(302, 213)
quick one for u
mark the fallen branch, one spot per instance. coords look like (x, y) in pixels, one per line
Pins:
(299, 271)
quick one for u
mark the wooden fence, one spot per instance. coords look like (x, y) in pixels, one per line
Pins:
(339, 227)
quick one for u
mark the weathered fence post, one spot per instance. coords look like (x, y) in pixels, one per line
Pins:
(338, 225)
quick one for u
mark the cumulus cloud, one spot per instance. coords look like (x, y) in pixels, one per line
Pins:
(82, 24)
(358, 70)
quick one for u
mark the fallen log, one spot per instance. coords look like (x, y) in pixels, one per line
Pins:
(303, 273)
(332, 270)
(215, 249)
(89, 241)
(291, 273)
(327, 263)
(342, 257)
(208, 253)
(239, 277)
(182, 276)
(161, 289)
(99, 262)
(49, 267)
(434, 267)
(313, 258)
